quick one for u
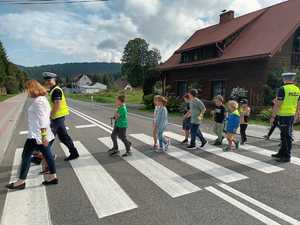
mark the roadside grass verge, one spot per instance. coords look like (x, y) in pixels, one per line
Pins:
(109, 96)
(4, 97)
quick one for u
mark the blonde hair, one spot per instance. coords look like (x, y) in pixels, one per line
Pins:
(35, 89)
(219, 98)
(156, 97)
(233, 104)
(162, 99)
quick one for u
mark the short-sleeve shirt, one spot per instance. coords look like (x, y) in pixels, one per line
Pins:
(197, 107)
(56, 95)
(280, 94)
(220, 114)
(122, 122)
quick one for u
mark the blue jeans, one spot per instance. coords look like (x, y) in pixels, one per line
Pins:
(196, 132)
(31, 146)
(161, 139)
(286, 135)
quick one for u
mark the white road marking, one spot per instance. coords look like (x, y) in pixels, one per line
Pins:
(29, 206)
(23, 132)
(213, 169)
(170, 182)
(90, 118)
(92, 121)
(85, 126)
(104, 193)
(235, 157)
(255, 149)
(260, 205)
(241, 206)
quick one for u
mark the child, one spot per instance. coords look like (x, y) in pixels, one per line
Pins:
(220, 115)
(245, 113)
(161, 123)
(186, 126)
(154, 131)
(233, 123)
(121, 125)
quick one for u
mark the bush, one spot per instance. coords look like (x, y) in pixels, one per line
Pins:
(174, 104)
(148, 101)
(265, 114)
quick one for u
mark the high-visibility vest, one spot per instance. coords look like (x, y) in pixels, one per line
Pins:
(290, 102)
(63, 106)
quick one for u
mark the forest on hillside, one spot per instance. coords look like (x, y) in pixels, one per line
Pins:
(70, 70)
(12, 79)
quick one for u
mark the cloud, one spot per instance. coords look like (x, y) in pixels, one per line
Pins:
(99, 31)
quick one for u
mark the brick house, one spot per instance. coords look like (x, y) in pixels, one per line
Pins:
(236, 52)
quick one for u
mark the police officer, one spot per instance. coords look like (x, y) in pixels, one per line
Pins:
(287, 109)
(59, 111)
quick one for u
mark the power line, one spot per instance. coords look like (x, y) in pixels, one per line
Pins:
(48, 2)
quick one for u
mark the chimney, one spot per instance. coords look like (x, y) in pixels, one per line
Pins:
(226, 16)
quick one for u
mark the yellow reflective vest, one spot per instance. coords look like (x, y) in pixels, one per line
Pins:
(63, 106)
(290, 102)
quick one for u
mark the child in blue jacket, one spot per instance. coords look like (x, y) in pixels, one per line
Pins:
(233, 122)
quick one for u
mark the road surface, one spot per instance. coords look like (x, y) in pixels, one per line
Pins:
(177, 188)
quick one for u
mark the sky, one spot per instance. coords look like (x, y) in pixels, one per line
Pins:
(98, 32)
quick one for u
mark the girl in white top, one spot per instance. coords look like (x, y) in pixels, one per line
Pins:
(40, 136)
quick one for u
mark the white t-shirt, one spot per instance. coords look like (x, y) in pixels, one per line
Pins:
(39, 117)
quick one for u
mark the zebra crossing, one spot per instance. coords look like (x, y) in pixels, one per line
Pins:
(98, 185)
(108, 197)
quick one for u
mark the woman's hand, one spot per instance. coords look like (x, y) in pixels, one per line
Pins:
(45, 142)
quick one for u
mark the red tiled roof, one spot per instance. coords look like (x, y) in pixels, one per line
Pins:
(268, 30)
(218, 32)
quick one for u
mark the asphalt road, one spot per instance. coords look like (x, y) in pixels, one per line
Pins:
(178, 188)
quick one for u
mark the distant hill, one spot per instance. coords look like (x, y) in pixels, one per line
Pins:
(72, 69)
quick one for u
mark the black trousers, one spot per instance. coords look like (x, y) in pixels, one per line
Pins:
(58, 128)
(243, 128)
(119, 132)
(274, 125)
(286, 134)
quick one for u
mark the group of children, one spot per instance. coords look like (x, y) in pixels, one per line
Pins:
(227, 120)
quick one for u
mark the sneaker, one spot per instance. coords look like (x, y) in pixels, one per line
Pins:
(185, 141)
(226, 149)
(168, 144)
(203, 144)
(159, 150)
(115, 152)
(237, 145)
(283, 160)
(112, 150)
(217, 143)
(276, 156)
(127, 154)
(191, 147)
(266, 137)
(72, 157)
(155, 147)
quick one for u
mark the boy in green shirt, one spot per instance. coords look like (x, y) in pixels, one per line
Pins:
(121, 125)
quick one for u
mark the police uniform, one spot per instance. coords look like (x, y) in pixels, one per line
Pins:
(58, 119)
(289, 95)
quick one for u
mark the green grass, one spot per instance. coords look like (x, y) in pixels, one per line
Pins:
(4, 97)
(133, 97)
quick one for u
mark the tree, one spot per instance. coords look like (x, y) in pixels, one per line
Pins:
(138, 60)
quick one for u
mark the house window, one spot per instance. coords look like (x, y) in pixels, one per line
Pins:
(182, 88)
(218, 88)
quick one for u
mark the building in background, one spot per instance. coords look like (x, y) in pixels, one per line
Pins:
(236, 52)
(92, 89)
